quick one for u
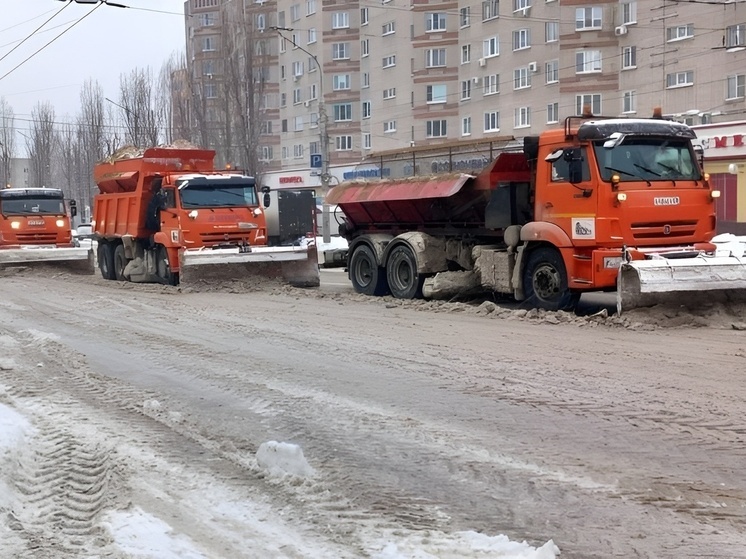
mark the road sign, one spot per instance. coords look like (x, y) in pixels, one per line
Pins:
(316, 161)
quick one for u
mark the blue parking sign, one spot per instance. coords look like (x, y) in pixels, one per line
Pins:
(315, 160)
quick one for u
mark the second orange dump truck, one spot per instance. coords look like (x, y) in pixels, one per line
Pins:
(167, 215)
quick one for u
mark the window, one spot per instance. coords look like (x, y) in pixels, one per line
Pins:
(343, 143)
(680, 32)
(680, 79)
(588, 18)
(295, 12)
(284, 152)
(313, 91)
(389, 93)
(466, 126)
(314, 123)
(209, 44)
(311, 36)
(310, 7)
(211, 90)
(298, 122)
(205, 3)
(284, 125)
(519, 5)
(464, 16)
(363, 16)
(342, 112)
(435, 22)
(465, 54)
(491, 47)
(340, 20)
(736, 87)
(522, 117)
(435, 128)
(587, 61)
(297, 96)
(521, 78)
(491, 84)
(629, 58)
(341, 81)
(388, 28)
(629, 104)
(552, 113)
(266, 153)
(365, 80)
(551, 31)
(265, 128)
(207, 20)
(295, 39)
(312, 64)
(367, 144)
(283, 102)
(365, 109)
(261, 21)
(629, 12)
(490, 9)
(465, 90)
(552, 71)
(735, 36)
(521, 39)
(364, 48)
(590, 100)
(389, 126)
(388, 61)
(436, 93)
(298, 151)
(492, 121)
(297, 69)
(435, 58)
(208, 68)
(340, 51)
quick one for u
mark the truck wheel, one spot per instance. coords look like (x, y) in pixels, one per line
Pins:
(366, 275)
(401, 273)
(106, 261)
(120, 262)
(163, 268)
(545, 281)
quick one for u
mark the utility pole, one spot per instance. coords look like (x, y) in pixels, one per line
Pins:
(326, 178)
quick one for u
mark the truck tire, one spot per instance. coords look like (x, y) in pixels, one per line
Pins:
(120, 262)
(366, 275)
(106, 261)
(545, 281)
(163, 268)
(401, 273)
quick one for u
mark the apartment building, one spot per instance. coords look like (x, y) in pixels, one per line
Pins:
(390, 74)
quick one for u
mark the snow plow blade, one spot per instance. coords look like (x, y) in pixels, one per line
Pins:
(73, 259)
(692, 282)
(296, 265)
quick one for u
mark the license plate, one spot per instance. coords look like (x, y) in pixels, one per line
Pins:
(666, 201)
(244, 248)
(36, 222)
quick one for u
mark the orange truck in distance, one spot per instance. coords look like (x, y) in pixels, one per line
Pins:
(601, 204)
(167, 215)
(35, 230)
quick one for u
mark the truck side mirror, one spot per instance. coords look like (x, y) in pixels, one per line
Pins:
(266, 201)
(73, 208)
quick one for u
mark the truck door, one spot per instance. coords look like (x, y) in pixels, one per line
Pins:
(566, 195)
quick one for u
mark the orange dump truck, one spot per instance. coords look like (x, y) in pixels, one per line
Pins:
(35, 229)
(603, 204)
(167, 215)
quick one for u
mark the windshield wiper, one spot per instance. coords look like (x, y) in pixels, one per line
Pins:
(646, 169)
(628, 174)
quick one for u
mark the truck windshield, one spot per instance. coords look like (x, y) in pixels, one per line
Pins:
(649, 159)
(217, 194)
(24, 205)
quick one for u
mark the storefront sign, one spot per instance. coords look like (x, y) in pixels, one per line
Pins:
(291, 180)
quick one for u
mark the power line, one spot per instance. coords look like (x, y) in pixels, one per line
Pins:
(32, 34)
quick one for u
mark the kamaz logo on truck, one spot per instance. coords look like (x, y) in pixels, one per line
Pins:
(36, 222)
(666, 201)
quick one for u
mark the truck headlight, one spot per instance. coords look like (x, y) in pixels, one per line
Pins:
(715, 194)
(60, 222)
(15, 224)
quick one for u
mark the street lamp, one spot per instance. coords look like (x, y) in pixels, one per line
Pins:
(323, 129)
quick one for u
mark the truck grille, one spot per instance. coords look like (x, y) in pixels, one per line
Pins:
(214, 238)
(36, 238)
(663, 229)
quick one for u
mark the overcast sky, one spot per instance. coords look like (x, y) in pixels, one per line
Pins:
(107, 43)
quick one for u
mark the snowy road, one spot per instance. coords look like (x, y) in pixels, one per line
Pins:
(131, 417)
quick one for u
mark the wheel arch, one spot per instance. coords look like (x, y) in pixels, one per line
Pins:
(520, 264)
(377, 242)
(429, 251)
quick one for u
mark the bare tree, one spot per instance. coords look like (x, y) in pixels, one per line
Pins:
(40, 144)
(92, 137)
(7, 141)
(138, 108)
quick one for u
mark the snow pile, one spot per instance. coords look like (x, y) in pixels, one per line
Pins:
(280, 459)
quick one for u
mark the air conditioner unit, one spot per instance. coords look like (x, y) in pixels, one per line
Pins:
(525, 11)
(476, 79)
(533, 67)
(306, 104)
(621, 30)
(296, 77)
(482, 62)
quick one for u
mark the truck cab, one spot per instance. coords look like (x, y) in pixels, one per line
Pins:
(34, 216)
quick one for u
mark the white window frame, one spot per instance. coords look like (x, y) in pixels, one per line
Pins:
(437, 128)
(298, 151)
(465, 90)
(341, 82)
(551, 71)
(342, 112)
(466, 126)
(492, 121)
(365, 80)
(553, 113)
(297, 96)
(435, 58)
(388, 28)
(310, 7)
(629, 102)
(311, 36)
(491, 47)
(389, 93)
(364, 48)
(364, 16)
(367, 143)
(490, 9)
(436, 94)
(435, 22)
(679, 32)
(629, 57)
(491, 85)
(521, 117)
(295, 12)
(389, 126)
(340, 20)
(589, 18)
(521, 78)
(592, 99)
(735, 87)
(588, 62)
(464, 16)
(343, 143)
(388, 61)
(675, 80)
(551, 31)
(465, 54)
(628, 11)
(735, 36)
(266, 153)
(521, 39)
(340, 51)
(365, 109)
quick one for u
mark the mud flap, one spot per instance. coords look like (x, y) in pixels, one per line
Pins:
(72, 260)
(691, 282)
(297, 266)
